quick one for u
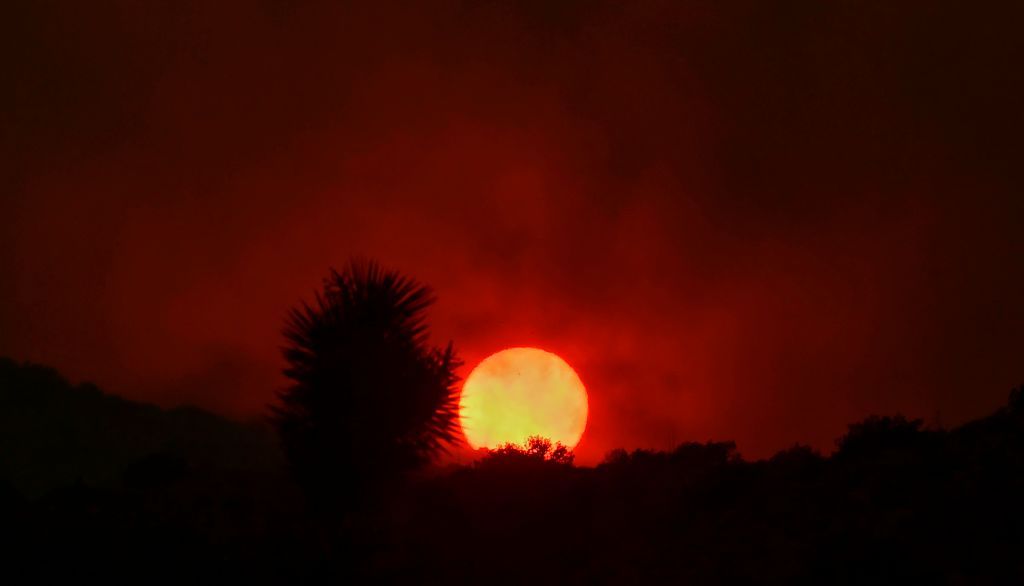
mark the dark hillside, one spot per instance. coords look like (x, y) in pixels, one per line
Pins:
(53, 434)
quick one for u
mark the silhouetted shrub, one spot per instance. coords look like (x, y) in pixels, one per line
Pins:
(876, 434)
(616, 457)
(798, 458)
(690, 456)
(706, 455)
(369, 398)
(537, 451)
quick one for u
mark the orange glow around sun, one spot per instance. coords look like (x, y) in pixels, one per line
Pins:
(521, 392)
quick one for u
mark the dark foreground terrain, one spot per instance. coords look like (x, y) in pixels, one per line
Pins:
(95, 487)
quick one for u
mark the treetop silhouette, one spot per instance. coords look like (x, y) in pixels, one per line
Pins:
(537, 450)
(370, 398)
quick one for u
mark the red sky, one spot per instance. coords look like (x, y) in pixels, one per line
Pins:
(758, 222)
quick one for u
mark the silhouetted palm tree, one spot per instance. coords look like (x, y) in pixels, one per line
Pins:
(369, 398)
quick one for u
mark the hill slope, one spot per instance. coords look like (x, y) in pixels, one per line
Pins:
(54, 434)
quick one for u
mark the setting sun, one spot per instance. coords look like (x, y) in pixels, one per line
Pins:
(522, 392)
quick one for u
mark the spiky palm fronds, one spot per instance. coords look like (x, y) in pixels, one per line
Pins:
(368, 393)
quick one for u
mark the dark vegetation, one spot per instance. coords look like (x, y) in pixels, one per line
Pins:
(370, 399)
(95, 486)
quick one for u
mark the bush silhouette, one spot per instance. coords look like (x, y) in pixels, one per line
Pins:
(370, 399)
(876, 434)
(537, 451)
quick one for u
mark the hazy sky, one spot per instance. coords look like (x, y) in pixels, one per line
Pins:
(758, 222)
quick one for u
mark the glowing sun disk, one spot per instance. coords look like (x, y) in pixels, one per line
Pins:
(521, 392)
